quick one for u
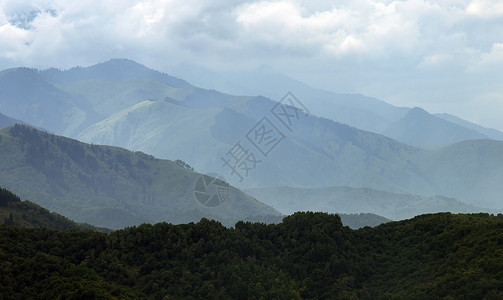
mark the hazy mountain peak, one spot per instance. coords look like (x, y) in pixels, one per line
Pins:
(418, 111)
(112, 70)
(422, 129)
(20, 75)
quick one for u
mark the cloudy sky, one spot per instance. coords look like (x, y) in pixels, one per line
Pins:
(445, 56)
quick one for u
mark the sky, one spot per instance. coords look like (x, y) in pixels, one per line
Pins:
(444, 56)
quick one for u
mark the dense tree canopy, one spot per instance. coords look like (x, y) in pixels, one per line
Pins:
(308, 255)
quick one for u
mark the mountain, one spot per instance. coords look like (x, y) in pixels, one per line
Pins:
(306, 256)
(491, 133)
(114, 85)
(360, 220)
(470, 171)
(27, 96)
(40, 99)
(288, 200)
(26, 214)
(111, 70)
(356, 110)
(113, 187)
(421, 129)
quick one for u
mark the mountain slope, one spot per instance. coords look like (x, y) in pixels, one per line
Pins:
(421, 129)
(26, 96)
(288, 200)
(26, 214)
(470, 171)
(491, 133)
(108, 186)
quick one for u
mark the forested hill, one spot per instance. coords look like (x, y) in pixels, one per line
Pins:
(109, 186)
(308, 255)
(14, 212)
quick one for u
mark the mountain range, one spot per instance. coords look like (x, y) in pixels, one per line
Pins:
(356, 110)
(125, 104)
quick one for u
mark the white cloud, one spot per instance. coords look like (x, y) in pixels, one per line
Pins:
(494, 58)
(485, 8)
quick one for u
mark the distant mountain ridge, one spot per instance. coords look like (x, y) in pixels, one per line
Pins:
(346, 200)
(356, 110)
(421, 129)
(112, 70)
(491, 133)
(27, 96)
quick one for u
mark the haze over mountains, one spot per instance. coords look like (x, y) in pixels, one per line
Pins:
(356, 110)
(289, 200)
(121, 103)
(421, 129)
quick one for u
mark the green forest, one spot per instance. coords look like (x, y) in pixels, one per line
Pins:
(306, 256)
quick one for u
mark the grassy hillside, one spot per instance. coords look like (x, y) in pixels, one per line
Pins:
(108, 186)
(307, 256)
(346, 200)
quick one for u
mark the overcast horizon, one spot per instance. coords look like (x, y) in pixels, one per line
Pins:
(443, 57)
